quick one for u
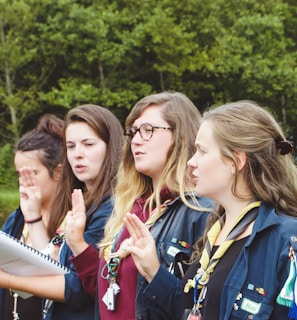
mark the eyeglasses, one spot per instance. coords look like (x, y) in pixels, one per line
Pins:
(146, 131)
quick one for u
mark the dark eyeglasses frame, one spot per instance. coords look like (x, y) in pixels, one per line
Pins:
(130, 132)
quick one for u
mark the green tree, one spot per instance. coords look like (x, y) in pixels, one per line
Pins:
(58, 54)
(16, 51)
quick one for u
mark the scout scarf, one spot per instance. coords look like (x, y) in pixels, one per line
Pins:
(208, 262)
(288, 295)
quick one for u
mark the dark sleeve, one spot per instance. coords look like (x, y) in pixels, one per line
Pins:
(14, 223)
(86, 265)
(165, 291)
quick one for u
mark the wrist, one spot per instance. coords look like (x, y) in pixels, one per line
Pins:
(78, 248)
(35, 220)
(152, 273)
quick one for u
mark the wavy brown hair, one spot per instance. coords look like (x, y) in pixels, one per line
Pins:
(109, 129)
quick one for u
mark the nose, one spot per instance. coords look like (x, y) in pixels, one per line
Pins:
(192, 163)
(78, 151)
(137, 138)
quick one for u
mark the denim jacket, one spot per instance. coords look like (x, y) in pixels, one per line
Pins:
(175, 232)
(78, 304)
(13, 226)
(262, 264)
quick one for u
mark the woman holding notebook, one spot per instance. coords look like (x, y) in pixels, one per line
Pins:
(37, 160)
(93, 142)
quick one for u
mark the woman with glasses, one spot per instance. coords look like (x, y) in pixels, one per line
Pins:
(154, 184)
(245, 266)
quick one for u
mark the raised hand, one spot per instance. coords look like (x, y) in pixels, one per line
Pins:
(142, 247)
(31, 206)
(75, 223)
(30, 194)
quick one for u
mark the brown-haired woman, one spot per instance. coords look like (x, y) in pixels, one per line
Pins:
(37, 159)
(93, 142)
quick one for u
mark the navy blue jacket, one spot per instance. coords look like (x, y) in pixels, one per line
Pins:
(175, 232)
(14, 226)
(263, 263)
(78, 304)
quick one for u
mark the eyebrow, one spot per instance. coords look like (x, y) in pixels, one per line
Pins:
(83, 140)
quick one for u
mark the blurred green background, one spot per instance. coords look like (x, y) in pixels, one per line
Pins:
(57, 54)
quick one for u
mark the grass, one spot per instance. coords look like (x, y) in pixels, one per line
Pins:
(9, 200)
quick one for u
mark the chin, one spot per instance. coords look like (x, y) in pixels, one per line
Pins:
(141, 169)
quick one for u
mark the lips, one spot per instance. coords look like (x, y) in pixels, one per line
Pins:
(194, 178)
(79, 168)
(138, 153)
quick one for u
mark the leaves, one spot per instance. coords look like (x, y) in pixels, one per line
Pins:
(58, 54)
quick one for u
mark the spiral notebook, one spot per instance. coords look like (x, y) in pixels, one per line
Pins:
(20, 259)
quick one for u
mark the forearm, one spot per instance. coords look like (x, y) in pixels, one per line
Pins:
(49, 287)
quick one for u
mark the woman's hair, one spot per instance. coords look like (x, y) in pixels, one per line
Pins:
(184, 119)
(109, 129)
(270, 172)
(47, 140)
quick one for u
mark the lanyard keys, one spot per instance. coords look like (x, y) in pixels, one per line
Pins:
(109, 297)
(194, 315)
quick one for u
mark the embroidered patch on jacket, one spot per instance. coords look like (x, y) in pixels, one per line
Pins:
(182, 243)
(172, 251)
(259, 290)
(250, 306)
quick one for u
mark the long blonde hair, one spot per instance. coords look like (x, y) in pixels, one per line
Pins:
(184, 119)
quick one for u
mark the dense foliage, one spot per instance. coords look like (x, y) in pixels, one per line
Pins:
(56, 54)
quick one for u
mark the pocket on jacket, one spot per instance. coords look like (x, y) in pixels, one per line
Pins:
(250, 305)
(175, 257)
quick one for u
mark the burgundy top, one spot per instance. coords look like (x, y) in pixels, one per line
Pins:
(126, 279)
(86, 265)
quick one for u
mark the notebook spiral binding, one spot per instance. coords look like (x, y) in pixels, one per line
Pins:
(39, 253)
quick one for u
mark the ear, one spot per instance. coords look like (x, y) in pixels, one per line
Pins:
(57, 172)
(240, 159)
